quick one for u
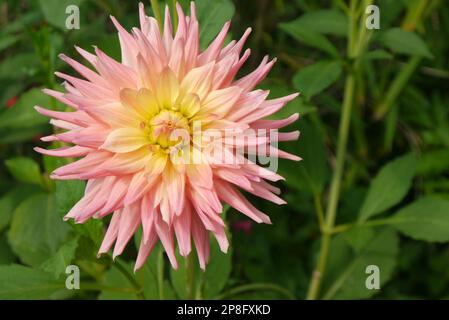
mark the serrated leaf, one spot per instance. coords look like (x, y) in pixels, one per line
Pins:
(57, 264)
(25, 170)
(381, 251)
(315, 78)
(389, 187)
(36, 229)
(406, 42)
(20, 282)
(425, 219)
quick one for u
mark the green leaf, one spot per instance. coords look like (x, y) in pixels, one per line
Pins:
(217, 271)
(310, 38)
(358, 238)
(381, 251)
(433, 162)
(91, 229)
(10, 201)
(180, 278)
(377, 55)
(18, 66)
(8, 41)
(19, 23)
(68, 193)
(425, 219)
(148, 275)
(389, 187)
(315, 78)
(36, 229)
(323, 21)
(23, 117)
(297, 105)
(313, 171)
(406, 42)
(20, 282)
(25, 170)
(55, 11)
(211, 16)
(210, 282)
(6, 254)
(62, 258)
(114, 278)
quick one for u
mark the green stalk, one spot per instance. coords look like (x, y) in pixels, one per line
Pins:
(414, 16)
(120, 267)
(396, 87)
(345, 121)
(190, 267)
(319, 210)
(160, 274)
(331, 211)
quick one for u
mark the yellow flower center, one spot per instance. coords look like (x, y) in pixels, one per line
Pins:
(168, 128)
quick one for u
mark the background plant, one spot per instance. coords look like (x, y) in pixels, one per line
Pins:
(372, 188)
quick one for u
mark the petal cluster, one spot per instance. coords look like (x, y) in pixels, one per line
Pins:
(122, 125)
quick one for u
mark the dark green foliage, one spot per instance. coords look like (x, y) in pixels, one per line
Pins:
(393, 210)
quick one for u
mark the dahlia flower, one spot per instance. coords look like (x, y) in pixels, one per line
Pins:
(122, 127)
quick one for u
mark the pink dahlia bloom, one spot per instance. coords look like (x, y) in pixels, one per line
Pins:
(122, 127)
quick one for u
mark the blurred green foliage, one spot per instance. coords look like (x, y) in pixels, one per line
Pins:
(394, 206)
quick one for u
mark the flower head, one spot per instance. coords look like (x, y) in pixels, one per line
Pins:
(139, 127)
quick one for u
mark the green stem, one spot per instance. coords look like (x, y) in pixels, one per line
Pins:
(334, 195)
(319, 210)
(371, 223)
(396, 87)
(414, 16)
(256, 287)
(190, 267)
(160, 274)
(120, 267)
(331, 211)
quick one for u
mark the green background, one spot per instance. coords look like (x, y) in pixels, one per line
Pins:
(394, 205)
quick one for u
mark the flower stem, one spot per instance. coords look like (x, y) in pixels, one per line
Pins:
(190, 268)
(120, 267)
(160, 274)
(396, 87)
(319, 210)
(334, 195)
